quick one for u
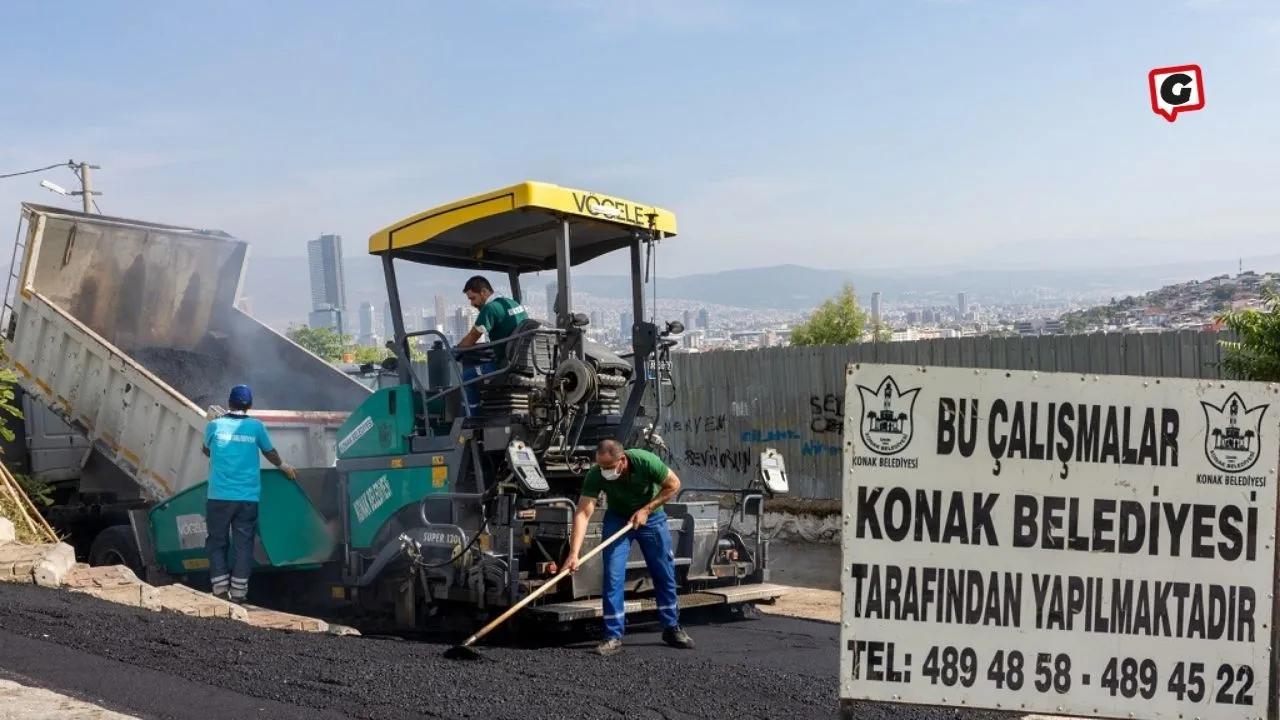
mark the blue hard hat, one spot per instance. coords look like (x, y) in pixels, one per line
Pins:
(241, 396)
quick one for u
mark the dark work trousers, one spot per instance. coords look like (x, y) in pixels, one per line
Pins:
(237, 522)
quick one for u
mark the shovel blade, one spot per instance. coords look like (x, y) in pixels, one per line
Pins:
(462, 652)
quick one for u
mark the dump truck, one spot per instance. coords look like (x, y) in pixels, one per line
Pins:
(125, 336)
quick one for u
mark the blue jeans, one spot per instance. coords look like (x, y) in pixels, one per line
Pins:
(655, 543)
(237, 522)
(472, 392)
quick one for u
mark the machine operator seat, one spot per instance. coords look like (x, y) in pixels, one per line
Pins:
(528, 358)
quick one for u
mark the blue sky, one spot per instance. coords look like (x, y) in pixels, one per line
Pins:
(888, 133)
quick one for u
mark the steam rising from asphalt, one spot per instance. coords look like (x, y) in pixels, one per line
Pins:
(241, 350)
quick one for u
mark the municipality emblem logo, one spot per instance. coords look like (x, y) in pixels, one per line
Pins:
(886, 419)
(1233, 434)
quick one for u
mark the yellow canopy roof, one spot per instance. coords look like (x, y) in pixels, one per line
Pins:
(517, 228)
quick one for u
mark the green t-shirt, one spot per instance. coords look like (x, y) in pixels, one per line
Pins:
(500, 317)
(634, 489)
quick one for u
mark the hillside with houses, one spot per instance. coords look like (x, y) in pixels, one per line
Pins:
(1190, 305)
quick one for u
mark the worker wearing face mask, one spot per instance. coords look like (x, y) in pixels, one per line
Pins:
(636, 484)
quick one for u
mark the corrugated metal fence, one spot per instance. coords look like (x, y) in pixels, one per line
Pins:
(728, 406)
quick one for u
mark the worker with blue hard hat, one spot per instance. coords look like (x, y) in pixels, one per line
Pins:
(232, 442)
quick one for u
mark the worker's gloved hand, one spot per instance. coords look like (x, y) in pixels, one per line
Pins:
(289, 471)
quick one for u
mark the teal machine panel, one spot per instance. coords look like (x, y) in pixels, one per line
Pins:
(292, 533)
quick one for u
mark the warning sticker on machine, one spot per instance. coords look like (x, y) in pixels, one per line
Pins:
(356, 433)
(1095, 546)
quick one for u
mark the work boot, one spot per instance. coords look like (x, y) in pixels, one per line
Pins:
(677, 637)
(612, 646)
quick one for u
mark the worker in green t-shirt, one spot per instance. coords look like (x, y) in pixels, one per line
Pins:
(498, 317)
(636, 484)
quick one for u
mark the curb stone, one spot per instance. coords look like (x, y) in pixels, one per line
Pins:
(18, 562)
(52, 569)
(115, 583)
(276, 620)
(54, 566)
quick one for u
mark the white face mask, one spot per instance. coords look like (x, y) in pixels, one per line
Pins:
(609, 474)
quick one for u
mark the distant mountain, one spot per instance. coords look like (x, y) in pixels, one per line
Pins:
(280, 288)
(794, 287)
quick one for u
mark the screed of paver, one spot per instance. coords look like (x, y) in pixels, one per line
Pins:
(20, 702)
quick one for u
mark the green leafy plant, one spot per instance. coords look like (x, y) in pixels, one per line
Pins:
(8, 395)
(331, 346)
(325, 343)
(1255, 353)
(40, 492)
(837, 321)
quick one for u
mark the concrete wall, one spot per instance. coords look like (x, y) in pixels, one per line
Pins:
(728, 406)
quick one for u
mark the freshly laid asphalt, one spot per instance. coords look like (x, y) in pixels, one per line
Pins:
(164, 665)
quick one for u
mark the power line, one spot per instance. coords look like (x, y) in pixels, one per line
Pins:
(37, 170)
(81, 171)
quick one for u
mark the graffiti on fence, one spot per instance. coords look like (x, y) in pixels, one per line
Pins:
(826, 414)
(696, 425)
(714, 458)
(802, 390)
(766, 436)
(815, 448)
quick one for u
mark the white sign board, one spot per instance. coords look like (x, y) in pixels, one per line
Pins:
(1053, 543)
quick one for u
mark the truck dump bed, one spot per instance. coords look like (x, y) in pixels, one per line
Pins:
(129, 331)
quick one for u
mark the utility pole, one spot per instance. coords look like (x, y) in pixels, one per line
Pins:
(86, 184)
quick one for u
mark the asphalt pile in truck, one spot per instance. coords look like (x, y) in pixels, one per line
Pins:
(771, 667)
(201, 378)
(207, 379)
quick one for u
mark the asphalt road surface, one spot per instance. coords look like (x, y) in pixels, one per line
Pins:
(164, 665)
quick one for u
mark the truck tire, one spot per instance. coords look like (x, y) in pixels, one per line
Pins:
(116, 546)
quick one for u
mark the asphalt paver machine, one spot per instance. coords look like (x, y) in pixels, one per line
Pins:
(435, 505)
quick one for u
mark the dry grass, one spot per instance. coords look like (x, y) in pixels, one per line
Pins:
(19, 499)
(10, 511)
